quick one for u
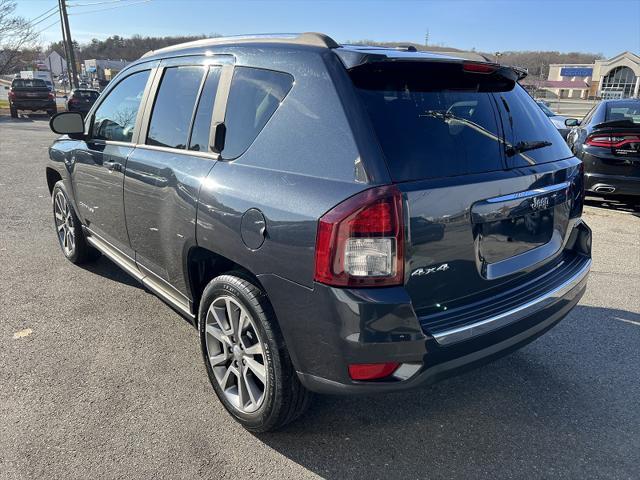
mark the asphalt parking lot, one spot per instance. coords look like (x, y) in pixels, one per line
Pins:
(100, 379)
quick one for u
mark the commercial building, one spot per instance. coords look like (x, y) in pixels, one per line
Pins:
(617, 77)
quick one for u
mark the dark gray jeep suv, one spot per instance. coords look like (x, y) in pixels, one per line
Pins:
(334, 219)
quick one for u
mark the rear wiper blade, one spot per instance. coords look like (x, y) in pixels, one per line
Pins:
(526, 146)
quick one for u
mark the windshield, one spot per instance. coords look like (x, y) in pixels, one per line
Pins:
(627, 110)
(28, 83)
(547, 111)
(434, 120)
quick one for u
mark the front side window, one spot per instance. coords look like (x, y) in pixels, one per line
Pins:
(115, 118)
(174, 105)
(254, 96)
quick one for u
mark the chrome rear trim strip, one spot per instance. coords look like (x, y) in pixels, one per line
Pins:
(466, 332)
(529, 193)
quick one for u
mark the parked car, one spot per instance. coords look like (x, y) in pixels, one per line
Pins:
(30, 94)
(332, 219)
(559, 121)
(81, 100)
(608, 142)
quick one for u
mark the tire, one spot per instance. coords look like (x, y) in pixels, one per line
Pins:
(258, 352)
(71, 238)
(14, 112)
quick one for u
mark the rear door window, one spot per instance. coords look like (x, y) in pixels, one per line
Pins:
(174, 105)
(202, 121)
(253, 98)
(430, 121)
(523, 121)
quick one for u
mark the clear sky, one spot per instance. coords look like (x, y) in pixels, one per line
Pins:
(600, 26)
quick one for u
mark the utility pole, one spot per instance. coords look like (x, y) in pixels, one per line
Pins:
(66, 38)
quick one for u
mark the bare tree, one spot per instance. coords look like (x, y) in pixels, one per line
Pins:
(16, 34)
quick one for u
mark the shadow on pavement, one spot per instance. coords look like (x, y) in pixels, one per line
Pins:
(623, 204)
(547, 410)
(25, 118)
(109, 270)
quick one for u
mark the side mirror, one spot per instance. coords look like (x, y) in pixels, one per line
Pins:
(70, 123)
(571, 122)
(6, 88)
(219, 135)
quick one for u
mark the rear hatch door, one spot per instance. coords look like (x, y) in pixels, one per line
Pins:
(491, 187)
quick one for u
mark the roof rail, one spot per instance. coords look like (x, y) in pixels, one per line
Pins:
(308, 38)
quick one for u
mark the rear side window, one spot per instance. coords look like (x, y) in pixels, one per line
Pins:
(174, 105)
(523, 121)
(202, 122)
(430, 121)
(254, 96)
(115, 118)
(628, 110)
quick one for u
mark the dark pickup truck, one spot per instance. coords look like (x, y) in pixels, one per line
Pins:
(31, 94)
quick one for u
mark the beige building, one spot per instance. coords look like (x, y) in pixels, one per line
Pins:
(617, 77)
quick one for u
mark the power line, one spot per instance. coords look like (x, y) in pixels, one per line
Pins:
(48, 27)
(43, 19)
(111, 8)
(94, 3)
(44, 13)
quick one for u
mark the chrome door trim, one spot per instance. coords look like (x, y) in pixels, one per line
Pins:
(466, 332)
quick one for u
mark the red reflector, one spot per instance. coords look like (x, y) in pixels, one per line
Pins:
(479, 67)
(372, 371)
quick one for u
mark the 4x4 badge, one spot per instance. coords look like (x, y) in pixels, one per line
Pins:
(540, 203)
(427, 270)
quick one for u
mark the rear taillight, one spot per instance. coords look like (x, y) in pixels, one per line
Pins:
(11, 95)
(51, 96)
(613, 140)
(360, 241)
(74, 101)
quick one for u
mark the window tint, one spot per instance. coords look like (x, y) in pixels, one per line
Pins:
(202, 122)
(523, 121)
(28, 83)
(173, 108)
(627, 110)
(427, 126)
(254, 96)
(115, 118)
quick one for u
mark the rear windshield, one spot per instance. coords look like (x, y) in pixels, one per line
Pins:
(628, 110)
(432, 120)
(28, 83)
(86, 94)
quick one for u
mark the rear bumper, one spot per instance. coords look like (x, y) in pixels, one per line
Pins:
(326, 329)
(603, 184)
(34, 104)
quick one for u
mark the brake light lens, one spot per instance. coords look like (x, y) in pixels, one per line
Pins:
(478, 67)
(360, 241)
(51, 96)
(372, 371)
(613, 140)
(11, 95)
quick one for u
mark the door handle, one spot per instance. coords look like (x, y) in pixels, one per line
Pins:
(113, 166)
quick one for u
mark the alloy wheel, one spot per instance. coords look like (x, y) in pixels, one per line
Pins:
(64, 223)
(236, 354)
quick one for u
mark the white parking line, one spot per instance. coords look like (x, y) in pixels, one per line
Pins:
(632, 322)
